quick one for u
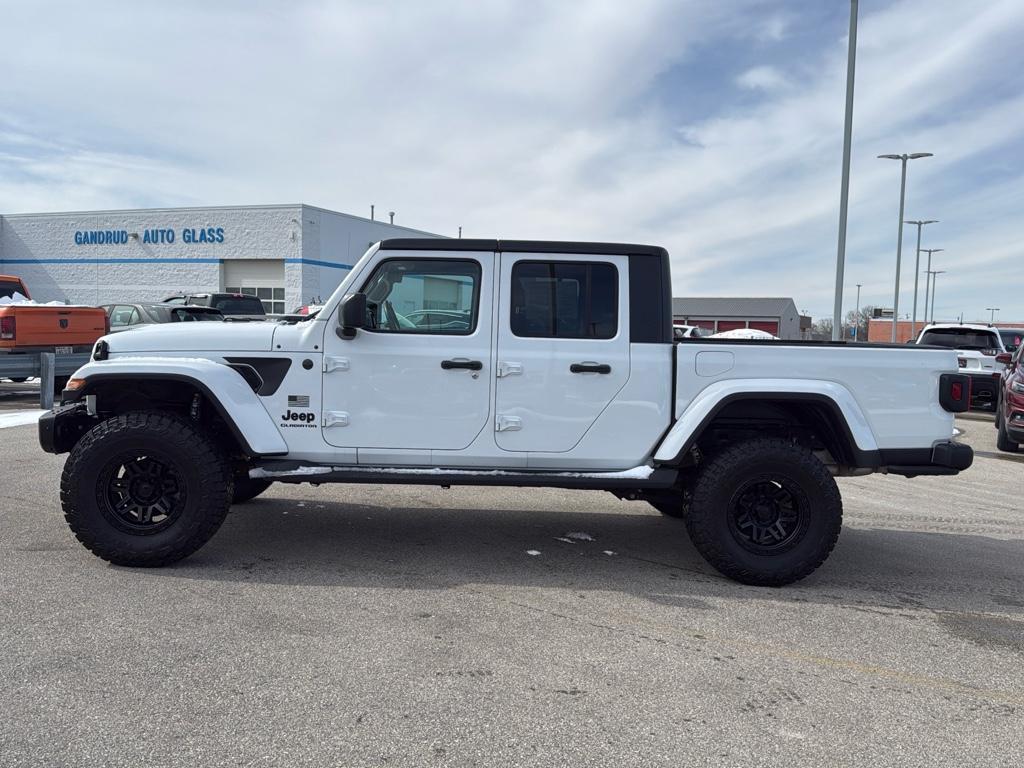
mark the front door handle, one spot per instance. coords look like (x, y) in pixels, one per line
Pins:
(590, 368)
(469, 365)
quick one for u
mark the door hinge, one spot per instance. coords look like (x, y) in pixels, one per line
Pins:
(508, 424)
(332, 364)
(509, 369)
(335, 419)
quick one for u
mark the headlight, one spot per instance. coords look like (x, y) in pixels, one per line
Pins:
(1017, 386)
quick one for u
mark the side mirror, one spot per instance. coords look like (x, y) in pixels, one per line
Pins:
(1004, 358)
(352, 315)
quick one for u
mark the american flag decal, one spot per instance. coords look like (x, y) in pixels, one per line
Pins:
(298, 401)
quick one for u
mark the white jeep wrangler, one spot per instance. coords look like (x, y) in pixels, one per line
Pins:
(486, 362)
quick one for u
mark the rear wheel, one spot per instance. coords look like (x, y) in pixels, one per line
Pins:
(145, 489)
(765, 512)
(19, 379)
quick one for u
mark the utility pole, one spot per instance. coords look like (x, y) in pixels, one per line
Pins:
(856, 317)
(371, 212)
(935, 280)
(917, 271)
(928, 272)
(992, 314)
(899, 237)
(844, 190)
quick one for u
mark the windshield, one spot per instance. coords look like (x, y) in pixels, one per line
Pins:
(8, 288)
(961, 338)
(238, 305)
(1012, 338)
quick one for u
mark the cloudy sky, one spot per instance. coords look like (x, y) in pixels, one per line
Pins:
(712, 127)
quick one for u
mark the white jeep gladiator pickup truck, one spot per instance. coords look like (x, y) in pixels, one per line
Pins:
(487, 362)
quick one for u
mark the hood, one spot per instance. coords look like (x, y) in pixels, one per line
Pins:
(194, 337)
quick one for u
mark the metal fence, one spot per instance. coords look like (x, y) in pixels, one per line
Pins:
(45, 366)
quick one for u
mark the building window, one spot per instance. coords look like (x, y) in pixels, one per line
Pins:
(436, 296)
(271, 298)
(564, 299)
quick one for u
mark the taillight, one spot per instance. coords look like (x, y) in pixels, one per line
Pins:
(954, 392)
(8, 328)
(106, 323)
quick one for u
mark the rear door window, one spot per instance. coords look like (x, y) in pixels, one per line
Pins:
(564, 300)
(8, 288)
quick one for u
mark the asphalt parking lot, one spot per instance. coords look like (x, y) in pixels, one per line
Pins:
(374, 625)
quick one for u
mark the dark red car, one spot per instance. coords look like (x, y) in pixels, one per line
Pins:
(1010, 403)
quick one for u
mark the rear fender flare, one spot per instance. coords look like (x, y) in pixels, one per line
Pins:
(712, 399)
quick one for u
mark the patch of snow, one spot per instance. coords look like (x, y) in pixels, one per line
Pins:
(268, 474)
(609, 552)
(579, 536)
(19, 418)
(562, 538)
(533, 552)
(636, 473)
(19, 300)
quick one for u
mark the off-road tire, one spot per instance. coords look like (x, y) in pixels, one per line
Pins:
(671, 503)
(726, 480)
(247, 488)
(202, 488)
(1003, 441)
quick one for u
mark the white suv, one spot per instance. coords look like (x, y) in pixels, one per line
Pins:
(976, 347)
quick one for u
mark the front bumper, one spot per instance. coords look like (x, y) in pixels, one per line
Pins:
(948, 458)
(61, 428)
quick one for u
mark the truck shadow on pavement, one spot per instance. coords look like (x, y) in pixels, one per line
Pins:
(306, 542)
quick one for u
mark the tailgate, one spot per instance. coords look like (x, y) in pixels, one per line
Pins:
(54, 326)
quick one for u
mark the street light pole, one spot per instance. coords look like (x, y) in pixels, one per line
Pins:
(917, 271)
(844, 190)
(935, 280)
(992, 314)
(899, 237)
(927, 283)
(856, 317)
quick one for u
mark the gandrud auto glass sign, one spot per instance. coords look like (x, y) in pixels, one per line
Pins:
(149, 236)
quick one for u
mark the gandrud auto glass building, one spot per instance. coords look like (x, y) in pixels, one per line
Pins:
(288, 255)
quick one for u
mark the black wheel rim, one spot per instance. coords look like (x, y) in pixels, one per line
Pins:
(141, 494)
(768, 515)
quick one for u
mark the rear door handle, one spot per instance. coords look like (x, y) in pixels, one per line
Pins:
(590, 368)
(469, 365)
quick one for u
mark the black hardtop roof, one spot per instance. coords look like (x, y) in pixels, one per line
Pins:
(519, 246)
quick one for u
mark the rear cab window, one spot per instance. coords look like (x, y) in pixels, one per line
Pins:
(564, 300)
(986, 342)
(238, 305)
(1012, 338)
(8, 288)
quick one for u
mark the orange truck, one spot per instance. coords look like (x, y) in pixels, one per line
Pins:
(29, 327)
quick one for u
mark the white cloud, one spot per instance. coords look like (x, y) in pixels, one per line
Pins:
(762, 78)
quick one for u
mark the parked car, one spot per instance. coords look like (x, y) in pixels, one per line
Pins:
(241, 306)
(977, 347)
(567, 377)
(1010, 402)
(126, 316)
(749, 334)
(681, 331)
(1012, 338)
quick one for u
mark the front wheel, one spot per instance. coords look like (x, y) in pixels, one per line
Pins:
(1003, 441)
(145, 489)
(765, 512)
(247, 488)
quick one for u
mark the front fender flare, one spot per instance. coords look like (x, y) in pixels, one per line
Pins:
(712, 399)
(223, 387)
